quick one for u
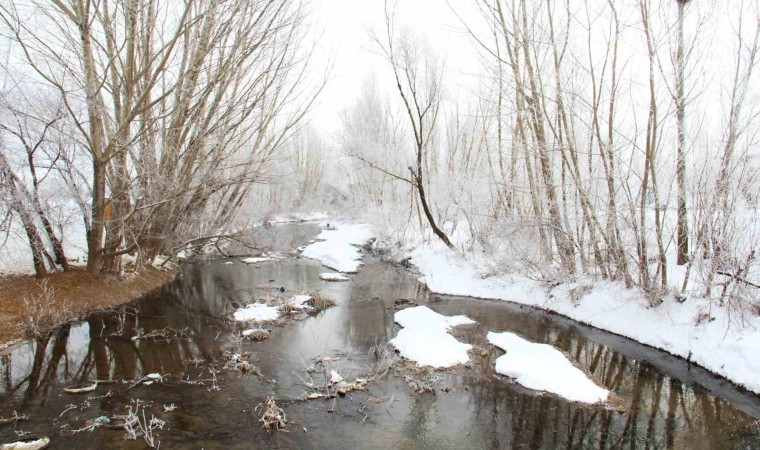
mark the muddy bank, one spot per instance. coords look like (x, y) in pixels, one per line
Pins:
(29, 305)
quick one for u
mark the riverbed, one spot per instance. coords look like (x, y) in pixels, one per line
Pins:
(185, 334)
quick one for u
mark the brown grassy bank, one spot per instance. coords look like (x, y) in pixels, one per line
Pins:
(29, 306)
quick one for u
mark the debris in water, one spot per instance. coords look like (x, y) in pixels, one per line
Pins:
(116, 422)
(403, 303)
(92, 424)
(274, 416)
(14, 418)
(256, 334)
(247, 367)
(335, 377)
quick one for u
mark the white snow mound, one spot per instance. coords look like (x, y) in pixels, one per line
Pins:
(544, 368)
(425, 338)
(424, 318)
(257, 312)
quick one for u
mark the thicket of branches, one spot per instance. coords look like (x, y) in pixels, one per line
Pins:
(612, 140)
(154, 116)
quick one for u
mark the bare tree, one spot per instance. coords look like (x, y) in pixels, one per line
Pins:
(418, 82)
(178, 105)
(31, 132)
(19, 204)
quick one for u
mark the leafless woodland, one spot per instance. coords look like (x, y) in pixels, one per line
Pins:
(600, 139)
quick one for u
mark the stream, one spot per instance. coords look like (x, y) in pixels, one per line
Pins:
(663, 402)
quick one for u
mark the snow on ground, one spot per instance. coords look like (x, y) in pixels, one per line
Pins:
(329, 276)
(425, 338)
(718, 345)
(544, 368)
(337, 248)
(257, 312)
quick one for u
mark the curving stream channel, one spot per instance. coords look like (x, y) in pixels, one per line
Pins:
(665, 402)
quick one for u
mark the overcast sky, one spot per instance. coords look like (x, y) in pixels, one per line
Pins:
(345, 26)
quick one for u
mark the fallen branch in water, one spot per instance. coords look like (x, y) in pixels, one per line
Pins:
(14, 418)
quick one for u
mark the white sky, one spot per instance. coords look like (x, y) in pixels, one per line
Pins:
(346, 26)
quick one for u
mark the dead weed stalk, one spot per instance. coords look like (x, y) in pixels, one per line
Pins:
(274, 417)
(43, 312)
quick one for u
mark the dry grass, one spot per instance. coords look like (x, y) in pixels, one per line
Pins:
(287, 308)
(320, 302)
(67, 295)
(257, 335)
(43, 311)
(385, 358)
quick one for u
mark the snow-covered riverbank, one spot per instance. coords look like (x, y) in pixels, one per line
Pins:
(693, 330)
(700, 332)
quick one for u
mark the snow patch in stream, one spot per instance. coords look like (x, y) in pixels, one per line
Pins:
(329, 276)
(425, 338)
(544, 368)
(337, 248)
(257, 312)
(256, 259)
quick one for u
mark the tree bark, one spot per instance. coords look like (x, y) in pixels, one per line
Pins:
(682, 224)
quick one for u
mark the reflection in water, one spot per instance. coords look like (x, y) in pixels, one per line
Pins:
(667, 404)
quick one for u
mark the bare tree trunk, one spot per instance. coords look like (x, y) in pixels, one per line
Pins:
(97, 222)
(682, 223)
(649, 167)
(534, 99)
(19, 205)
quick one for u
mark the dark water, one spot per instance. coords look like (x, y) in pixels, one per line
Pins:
(667, 403)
